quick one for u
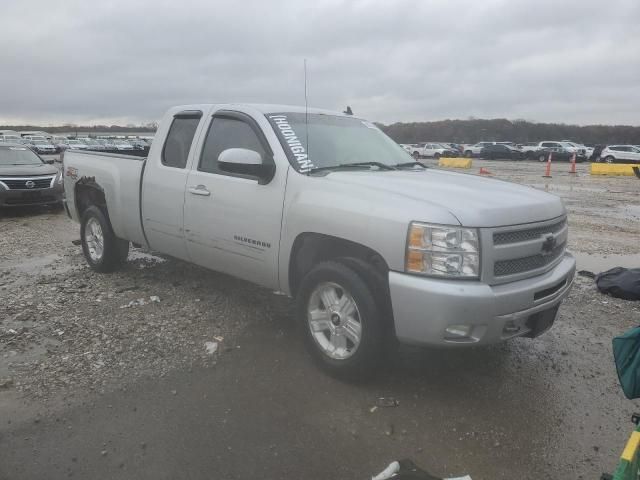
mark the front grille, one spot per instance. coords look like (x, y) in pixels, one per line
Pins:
(526, 264)
(21, 184)
(516, 236)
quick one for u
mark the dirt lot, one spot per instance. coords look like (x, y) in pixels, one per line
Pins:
(115, 376)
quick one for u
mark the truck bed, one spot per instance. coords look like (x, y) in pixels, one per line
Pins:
(119, 176)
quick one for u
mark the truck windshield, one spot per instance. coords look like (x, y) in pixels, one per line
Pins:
(18, 156)
(332, 141)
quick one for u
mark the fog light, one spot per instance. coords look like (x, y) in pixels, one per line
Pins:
(459, 331)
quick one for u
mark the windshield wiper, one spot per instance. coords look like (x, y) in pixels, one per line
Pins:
(380, 165)
(410, 164)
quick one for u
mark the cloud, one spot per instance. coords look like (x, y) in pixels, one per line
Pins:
(572, 61)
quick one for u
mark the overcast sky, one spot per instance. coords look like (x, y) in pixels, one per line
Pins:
(573, 61)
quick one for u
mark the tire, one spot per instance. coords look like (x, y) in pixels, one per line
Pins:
(416, 155)
(329, 338)
(609, 159)
(468, 154)
(109, 253)
(542, 158)
(436, 156)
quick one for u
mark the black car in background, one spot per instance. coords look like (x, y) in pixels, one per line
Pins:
(501, 151)
(557, 154)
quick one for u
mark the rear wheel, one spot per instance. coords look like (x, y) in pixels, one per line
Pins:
(342, 322)
(542, 158)
(468, 154)
(436, 156)
(609, 159)
(416, 155)
(103, 251)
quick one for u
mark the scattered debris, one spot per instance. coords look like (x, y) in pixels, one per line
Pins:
(6, 383)
(211, 347)
(407, 470)
(386, 402)
(154, 299)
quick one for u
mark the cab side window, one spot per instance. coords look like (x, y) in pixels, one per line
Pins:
(224, 133)
(179, 139)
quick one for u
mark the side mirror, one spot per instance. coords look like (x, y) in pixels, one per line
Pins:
(246, 162)
(49, 161)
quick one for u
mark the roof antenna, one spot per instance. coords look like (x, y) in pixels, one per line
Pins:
(306, 110)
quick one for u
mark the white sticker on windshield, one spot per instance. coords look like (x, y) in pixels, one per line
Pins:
(293, 142)
(17, 148)
(369, 125)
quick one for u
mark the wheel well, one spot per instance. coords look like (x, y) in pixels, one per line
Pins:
(88, 193)
(309, 249)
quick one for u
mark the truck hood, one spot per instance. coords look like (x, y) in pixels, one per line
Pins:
(27, 170)
(475, 201)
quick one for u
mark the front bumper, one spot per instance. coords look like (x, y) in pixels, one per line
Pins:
(430, 311)
(43, 196)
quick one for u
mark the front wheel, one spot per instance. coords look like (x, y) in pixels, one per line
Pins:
(416, 156)
(542, 158)
(342, 322)
(609, 159)
(468, 154)
(103, 251)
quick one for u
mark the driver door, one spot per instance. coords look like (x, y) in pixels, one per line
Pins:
(232, 222)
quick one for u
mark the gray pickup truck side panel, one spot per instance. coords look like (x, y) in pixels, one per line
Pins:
(119, 177)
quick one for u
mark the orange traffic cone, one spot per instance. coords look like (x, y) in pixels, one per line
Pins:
(484, 171)
(573, 164)
(547, 172)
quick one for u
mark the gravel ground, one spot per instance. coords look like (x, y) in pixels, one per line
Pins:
(64, 327)
(548, 405)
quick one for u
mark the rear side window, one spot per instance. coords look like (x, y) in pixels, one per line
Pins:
(178, 143)
(224, 133)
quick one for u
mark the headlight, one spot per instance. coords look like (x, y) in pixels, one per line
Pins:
(59, 177)
(443, 251)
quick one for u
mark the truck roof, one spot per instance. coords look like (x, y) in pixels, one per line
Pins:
(264, 108)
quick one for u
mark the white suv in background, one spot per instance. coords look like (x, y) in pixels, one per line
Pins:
(620, 154)
(568, 146)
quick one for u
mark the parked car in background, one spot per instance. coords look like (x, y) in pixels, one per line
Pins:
(454, 147)
(76, 145)
(40, 144)
(588, 151)
(501, 151)
(35, 133)
(408, 147)
(9, 138)
(580, 152)
(530, 150)
(107, 143)
(475, 149)
(26, 179)
(432, 150)
(620, 154)
(60, 143)
(139, 144)
(93, 144)
(427, 256)
(123, 145)
(557, 154)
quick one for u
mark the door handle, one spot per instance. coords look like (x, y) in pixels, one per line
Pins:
(199, 190)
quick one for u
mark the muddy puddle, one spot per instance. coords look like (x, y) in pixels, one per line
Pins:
(600, 263)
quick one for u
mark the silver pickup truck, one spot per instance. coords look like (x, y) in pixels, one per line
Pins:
(328, 209)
